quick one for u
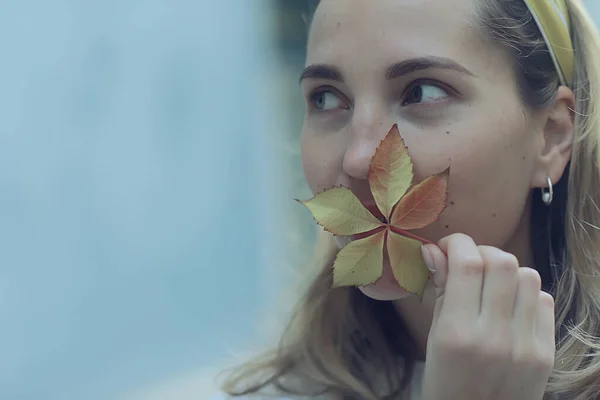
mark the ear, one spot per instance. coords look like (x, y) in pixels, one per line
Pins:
(556, 139)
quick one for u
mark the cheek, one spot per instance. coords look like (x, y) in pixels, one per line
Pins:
(320, 162)
(487, 206)
(312, 171)
(491, 163)
(488, 193)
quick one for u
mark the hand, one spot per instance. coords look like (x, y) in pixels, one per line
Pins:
(492, 335)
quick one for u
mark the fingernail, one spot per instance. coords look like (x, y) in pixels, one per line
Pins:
(428, 259)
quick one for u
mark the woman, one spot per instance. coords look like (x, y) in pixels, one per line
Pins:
(505, 92)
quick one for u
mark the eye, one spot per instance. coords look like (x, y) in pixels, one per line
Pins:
(424, 93)
(326, 100)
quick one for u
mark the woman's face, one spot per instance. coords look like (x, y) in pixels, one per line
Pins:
(423, 65)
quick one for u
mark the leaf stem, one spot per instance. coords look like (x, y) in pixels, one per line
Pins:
(409, 235)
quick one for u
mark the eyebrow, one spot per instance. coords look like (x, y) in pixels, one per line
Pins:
(322, 71)
(418, 64)
(331, 73)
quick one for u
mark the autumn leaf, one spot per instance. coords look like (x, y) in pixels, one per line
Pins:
(391, 172)
(361, 262)
(404, 207)
(423, 204)
(407, 263)
(340, 212)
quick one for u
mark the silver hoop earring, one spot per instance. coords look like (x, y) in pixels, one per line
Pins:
(548, 195)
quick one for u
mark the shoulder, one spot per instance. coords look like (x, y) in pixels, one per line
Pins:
(223, 396)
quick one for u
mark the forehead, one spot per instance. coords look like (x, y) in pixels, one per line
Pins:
(386, 30)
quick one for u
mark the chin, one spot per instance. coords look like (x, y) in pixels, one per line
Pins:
(341, 241)
(375, 293)
(385, 289)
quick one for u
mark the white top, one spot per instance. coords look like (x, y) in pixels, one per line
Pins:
(413, 390)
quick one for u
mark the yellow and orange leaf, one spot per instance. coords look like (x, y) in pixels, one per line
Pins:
(340, 212)
(407, 263)
(423, 204)
(360, 263)
(391, 172)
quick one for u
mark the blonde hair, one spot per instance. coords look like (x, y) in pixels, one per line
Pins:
(343, 344)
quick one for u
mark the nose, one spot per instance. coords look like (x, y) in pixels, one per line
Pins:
(367, 132)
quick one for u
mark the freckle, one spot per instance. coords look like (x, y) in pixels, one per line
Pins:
(447, 226)
(494, 215)
(523, 157)
(447, 132)
(339, 24)
(452, 203)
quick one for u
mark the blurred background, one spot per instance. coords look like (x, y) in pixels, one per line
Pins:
(149, 162)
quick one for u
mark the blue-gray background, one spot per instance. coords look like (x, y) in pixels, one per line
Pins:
(131, 181)
(134, 162)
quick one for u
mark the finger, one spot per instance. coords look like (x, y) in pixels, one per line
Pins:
(439, 262)
(526, 305)
(499, 284)
(462, 296)
(545, 327)
(436, 259)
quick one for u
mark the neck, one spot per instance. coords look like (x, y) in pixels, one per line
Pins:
(418, 317)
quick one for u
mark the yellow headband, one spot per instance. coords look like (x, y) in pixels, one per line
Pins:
(552, 18)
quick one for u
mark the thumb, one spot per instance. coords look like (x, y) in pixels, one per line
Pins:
(437, 262)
